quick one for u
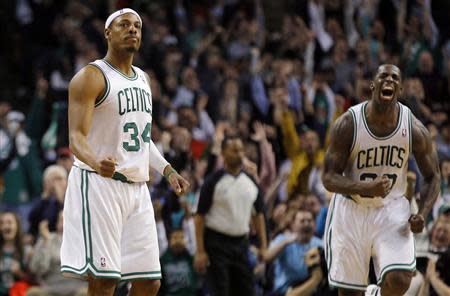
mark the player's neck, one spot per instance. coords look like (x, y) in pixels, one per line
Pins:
(121, 62)
(381, 112)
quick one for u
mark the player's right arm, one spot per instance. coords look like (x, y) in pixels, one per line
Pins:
(84, 88)
(336, 158)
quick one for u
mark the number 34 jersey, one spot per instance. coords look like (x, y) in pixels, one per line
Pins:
(372, 157)
(121, 122)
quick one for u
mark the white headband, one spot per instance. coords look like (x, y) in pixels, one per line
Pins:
(119, 13)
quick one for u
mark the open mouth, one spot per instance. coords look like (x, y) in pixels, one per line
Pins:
(387, 93)
(7, 232)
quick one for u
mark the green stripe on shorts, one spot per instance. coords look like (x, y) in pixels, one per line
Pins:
(83, 217)
(153, 275)
(328, 235)
(107, 274)
(405, 266)
(73, 269)
(330, 255)
(89, 258)
(346, 285)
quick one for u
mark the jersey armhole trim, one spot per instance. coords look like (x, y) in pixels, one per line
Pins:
(354, 129)
(410, 131)
(105, 94)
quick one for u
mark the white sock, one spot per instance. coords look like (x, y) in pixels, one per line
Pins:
(378, 291)
(373, 290)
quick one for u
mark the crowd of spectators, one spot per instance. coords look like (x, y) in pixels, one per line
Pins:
(276, 73)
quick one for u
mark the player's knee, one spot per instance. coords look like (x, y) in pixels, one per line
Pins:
(150, 287)
(154, 285)
(102, 284)
(398, 281)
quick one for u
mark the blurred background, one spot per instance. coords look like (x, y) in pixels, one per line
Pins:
(277, 73)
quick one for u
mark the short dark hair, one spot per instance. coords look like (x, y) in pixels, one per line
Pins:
(385, 65)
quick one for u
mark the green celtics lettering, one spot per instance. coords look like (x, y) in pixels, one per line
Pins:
(134, 99)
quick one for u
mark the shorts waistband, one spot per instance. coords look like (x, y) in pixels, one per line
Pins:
(348, 197)
(393, 198)
(117, 176)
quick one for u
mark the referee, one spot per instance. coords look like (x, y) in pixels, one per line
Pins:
(228, 199)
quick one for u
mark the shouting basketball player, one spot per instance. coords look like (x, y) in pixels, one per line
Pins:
(366, 166)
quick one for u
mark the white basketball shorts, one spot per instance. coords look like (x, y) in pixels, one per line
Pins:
(109, 229)
(354, 233)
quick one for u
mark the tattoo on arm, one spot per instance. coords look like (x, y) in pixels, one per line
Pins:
(427, 160)
(336, 158)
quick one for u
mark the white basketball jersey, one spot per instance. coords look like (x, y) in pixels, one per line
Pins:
(372, 157)
(121, 123)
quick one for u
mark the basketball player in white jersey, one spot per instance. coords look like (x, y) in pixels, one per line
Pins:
(369, 216)
(109, 227)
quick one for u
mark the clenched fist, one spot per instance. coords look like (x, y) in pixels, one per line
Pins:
(106, 167)
(379, 187)
(417, 223)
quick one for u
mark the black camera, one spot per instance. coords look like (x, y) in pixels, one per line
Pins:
(442, 265)
(421, 264)
(322, 263)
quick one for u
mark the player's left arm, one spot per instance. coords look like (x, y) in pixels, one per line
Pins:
(158, 162)
(427, 160)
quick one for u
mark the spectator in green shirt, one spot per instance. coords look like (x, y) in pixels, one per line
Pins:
(179, 277)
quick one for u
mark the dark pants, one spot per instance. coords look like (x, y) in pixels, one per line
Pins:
(229, 272)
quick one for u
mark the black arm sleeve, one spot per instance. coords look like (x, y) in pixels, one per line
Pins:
(207, 191)
(259, 202)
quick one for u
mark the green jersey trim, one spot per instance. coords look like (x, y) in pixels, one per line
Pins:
(105, 94)
(134, 77)
(410, 131)
(355, 128)
(399, 123)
